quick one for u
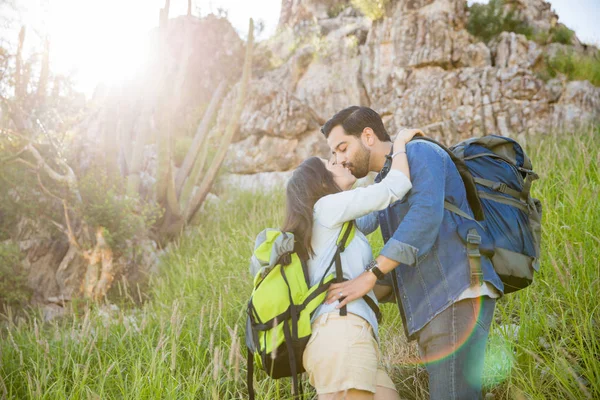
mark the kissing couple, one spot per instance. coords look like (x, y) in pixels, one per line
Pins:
(423, 266)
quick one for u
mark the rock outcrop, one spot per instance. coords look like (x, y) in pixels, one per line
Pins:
(417, 66)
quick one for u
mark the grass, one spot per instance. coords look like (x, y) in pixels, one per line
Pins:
(186, 340)
(487, 21)
(574, 66)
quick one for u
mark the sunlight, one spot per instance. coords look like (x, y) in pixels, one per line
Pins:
(107, 46)
(105, 41)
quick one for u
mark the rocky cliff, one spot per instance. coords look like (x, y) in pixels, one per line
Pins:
(417, 66)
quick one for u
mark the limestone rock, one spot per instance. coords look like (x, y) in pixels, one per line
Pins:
(537, 13)
(417, 66)
(266, 153)
(270, 110)
(416, 34)
(451, 105)
(578, 105)
(295, 12)
(312, 144)
(474, 55)
(332, 80)
(514, 50)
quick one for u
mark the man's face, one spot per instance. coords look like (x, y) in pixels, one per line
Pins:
(349, 151)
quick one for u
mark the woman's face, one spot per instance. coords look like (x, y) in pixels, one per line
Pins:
(341, 175)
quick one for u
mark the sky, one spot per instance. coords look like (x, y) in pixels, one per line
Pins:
(88, 35)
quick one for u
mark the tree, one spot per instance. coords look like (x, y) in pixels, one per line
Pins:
(96, 235)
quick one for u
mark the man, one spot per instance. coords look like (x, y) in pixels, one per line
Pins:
(444, 306)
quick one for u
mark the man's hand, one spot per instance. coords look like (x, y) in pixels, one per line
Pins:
(351, 290)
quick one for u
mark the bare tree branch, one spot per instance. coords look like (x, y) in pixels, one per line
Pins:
(230, 131)
(48, 192)
(199, 137)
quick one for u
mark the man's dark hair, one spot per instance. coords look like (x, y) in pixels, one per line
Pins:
(354, 120)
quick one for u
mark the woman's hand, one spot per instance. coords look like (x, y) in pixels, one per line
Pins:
(351, 290)
(406, 135)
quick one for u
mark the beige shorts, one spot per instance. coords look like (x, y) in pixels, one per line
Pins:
(342, 354)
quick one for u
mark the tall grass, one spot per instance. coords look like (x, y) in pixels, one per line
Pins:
(574, 66)
(186, 341)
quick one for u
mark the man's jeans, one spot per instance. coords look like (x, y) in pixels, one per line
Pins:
(452, 346)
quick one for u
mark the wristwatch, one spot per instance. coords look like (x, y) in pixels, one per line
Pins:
(374, 268)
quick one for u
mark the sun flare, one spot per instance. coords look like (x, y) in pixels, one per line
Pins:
(105, 46)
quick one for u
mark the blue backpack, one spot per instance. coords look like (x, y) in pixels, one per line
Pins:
(497, 175)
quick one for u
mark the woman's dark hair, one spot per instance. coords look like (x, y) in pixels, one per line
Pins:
(354, 120)
(309, 182)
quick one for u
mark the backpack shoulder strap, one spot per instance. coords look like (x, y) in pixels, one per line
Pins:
(250, 374)
(467, 178)
(341, 246)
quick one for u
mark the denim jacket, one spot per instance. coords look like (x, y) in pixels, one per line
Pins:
(423, 237)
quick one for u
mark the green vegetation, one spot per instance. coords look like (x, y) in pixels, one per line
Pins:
(574, 66)
(124, 218)
(335, 9)
(486, 21)
(561, 34)
(187, 341)
(373, 9)
(13, 278)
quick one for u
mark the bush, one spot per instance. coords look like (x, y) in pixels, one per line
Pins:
(13, 279)
(561, 34)
(105, 204)
(486, 21)
(20, 193)
(574, 66)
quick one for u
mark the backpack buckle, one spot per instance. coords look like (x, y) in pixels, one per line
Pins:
(473, 242)
(473, 238)
(499, 186)
(476, 278)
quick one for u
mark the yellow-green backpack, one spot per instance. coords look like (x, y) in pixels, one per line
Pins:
(278, 325)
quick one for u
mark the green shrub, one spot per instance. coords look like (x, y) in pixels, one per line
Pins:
(486, 21)
(574, 66)
(105, 204)
(541, 37)
(13, 279)
(20, 193)
(561, 34)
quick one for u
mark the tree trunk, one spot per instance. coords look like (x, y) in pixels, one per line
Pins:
(164, 14)
(20, 88)
(230, 130)
(42, 89)
(199, 138)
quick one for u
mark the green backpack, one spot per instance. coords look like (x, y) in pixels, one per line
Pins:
(282, 303)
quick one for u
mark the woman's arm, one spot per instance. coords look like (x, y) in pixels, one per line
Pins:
(400, 161)
(335, 209)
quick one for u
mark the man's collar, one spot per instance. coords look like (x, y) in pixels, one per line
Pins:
(386, 166)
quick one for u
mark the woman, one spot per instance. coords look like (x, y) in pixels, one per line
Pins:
(342, 355)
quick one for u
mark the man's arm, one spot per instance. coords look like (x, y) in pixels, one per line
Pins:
(419, 229)
(368, 224)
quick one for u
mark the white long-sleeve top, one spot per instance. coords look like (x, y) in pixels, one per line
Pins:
(330, 213)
